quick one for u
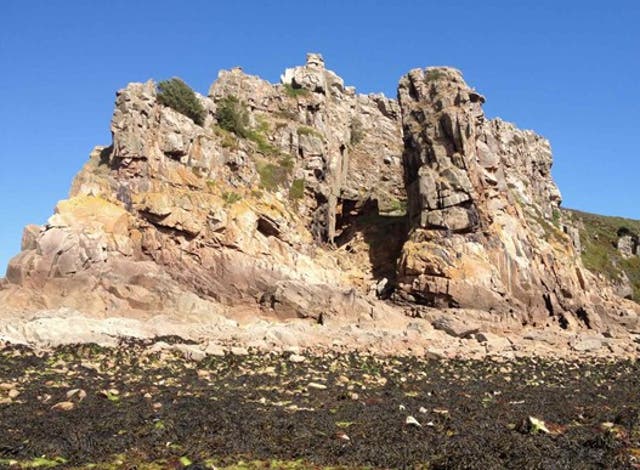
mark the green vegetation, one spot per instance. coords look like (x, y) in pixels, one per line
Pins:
(435, 74)
(357, 132)
(273, 176)
(38, 462)
(288, 114)
(231, 197)
(599, 237)
(294, 92)
(556, 215)
(396, 205)
(227, 139)
(258, 137)
(232, 116)
(296, 191)
(305, 130)
(176, 94)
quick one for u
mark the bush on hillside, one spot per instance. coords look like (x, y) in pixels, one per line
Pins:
(176, 94)
(232, 116)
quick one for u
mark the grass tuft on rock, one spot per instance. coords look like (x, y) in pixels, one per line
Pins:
(296, 191)
(232, 116)
(292, 92)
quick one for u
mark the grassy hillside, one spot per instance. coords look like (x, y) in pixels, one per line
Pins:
(599, 235)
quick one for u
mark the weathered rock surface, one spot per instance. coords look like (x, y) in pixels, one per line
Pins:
(186, 220)
(300, 217)
(628, 245)
(484, 212)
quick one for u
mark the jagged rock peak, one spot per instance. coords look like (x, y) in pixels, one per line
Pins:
(315, 60)
(484, 211)
(314, 77)
(296, 205)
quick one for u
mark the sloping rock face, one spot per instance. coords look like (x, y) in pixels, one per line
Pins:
(299, 211)
(185, 219)
(484, 211)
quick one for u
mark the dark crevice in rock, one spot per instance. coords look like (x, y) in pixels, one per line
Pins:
(156, 221)
(384, 235)
(175, 154)
(562, 320)
(105, 156)
(319, 227)
(583, 316)
(548, 304)
(268, 227)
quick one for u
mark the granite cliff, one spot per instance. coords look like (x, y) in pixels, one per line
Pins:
(321, 204)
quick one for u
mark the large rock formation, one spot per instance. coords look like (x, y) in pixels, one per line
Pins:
(484, 212)
(300, 211)
(181, 218)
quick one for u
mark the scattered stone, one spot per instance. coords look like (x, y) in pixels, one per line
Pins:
(412, 421)
(239, 351)
(215, 350)
(316, 386)
(297, 359)
(537, 425)
(455, 326)
(63, 406)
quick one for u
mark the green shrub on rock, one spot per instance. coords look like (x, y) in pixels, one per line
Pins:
(296, 191)
(232, 116)
(176, 94)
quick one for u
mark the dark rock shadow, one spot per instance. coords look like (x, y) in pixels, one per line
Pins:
(385, 235)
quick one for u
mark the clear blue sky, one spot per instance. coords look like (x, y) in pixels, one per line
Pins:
(568, 69)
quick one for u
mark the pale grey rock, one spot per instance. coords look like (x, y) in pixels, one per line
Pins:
(588, 343)
(458, 327)
(628, 245)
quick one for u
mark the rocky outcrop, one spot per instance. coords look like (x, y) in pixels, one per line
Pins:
(299, 212)
(628, 244)
(179, 218)
(484, 211)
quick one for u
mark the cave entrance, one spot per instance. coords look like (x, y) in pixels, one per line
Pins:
(384, 234)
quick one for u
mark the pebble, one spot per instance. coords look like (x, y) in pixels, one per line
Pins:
(77, 391)
(412, 421)
(317, 386)
(296, 358)
(239, 351)
(63, 406)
